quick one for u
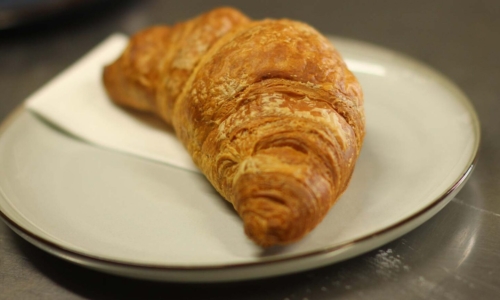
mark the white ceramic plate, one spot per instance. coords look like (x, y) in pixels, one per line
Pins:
(134, 217)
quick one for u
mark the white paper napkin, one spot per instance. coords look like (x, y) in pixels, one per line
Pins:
(75, 101)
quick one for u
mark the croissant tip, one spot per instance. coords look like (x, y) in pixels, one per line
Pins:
(256, 228)
(267, 232)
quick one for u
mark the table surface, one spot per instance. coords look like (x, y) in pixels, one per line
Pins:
(455, 255)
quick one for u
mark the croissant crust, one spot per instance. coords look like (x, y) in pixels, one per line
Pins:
(267, 109)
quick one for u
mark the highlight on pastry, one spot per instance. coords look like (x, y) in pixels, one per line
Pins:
(267, 109)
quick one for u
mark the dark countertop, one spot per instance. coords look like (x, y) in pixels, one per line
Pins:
(455, 255)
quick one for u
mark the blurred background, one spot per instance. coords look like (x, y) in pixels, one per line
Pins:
(452, 256)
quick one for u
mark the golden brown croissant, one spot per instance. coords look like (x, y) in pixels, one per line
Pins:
(267, 109)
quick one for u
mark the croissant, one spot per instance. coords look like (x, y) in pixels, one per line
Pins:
(267, 109)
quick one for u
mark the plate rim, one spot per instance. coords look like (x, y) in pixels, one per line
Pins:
(264, 261)
(64, 252)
